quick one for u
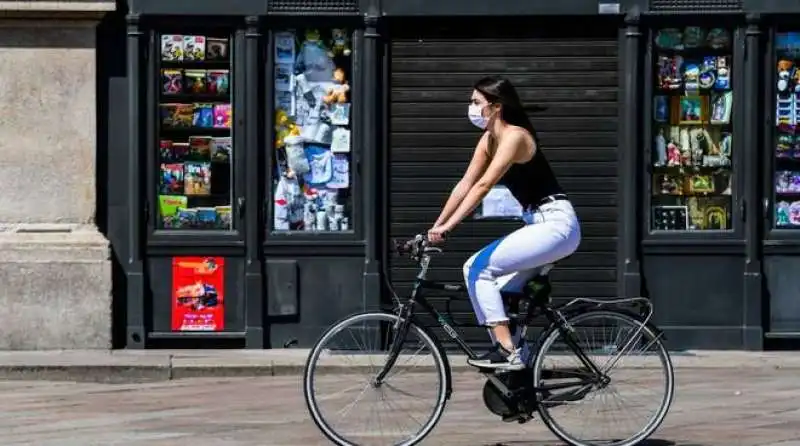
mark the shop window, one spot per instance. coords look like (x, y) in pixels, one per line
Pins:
(787, 137)
(194, 133)
(312, 187)
(692, 163)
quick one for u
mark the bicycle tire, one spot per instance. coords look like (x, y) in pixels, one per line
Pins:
(440, 360)
(549, 338)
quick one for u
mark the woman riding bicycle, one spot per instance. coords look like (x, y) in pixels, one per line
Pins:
(507, 154)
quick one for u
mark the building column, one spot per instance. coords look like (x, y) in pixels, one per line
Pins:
(134, 269)
(753, 299)
(371, 103)
(630, 165)
(55, 268)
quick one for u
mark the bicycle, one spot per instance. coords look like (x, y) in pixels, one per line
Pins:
(514, 396)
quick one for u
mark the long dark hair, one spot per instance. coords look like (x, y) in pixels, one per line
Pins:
(499, 90)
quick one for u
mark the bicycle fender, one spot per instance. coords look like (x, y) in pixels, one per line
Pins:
(636, 316)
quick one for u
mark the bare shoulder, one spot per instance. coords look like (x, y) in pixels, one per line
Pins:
(524, 143)
(485, 144)
(521, 135)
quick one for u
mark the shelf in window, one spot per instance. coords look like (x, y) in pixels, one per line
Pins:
(212, 195)
(694, 52)
(209, 201)
(787, 194)
(691, 195)
(196, 64)
(688, 170)
(191, 98)
(693, 124)
(682, 91)
(211, 131)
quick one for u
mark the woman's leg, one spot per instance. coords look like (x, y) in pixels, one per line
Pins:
(546, 241)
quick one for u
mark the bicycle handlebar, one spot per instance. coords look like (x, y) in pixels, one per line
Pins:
(414, 247)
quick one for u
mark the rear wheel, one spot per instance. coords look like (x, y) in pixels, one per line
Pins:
(346, 403)
(621, 412)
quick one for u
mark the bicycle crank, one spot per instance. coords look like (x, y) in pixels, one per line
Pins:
(515, 408)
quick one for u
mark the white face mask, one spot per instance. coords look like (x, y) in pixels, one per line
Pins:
(475, 116)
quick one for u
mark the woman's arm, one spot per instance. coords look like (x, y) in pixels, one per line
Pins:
(480, 158)
(507, 153)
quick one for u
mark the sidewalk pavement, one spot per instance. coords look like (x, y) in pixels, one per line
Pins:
(160, 365)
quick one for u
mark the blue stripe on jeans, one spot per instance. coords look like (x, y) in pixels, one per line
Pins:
(481, 262)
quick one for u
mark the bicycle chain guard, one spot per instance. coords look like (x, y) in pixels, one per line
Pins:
(522, 404)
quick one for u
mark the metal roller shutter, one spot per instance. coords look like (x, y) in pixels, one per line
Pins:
(574, 75)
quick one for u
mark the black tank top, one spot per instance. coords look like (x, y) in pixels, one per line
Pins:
(532, 181)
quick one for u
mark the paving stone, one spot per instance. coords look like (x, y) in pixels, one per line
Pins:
(713, 407)
(155, 365)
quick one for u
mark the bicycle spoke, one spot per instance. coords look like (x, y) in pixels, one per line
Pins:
(346, 409)
(400, 409)
(620, 410)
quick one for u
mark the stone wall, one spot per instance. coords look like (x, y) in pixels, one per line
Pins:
(55, 278)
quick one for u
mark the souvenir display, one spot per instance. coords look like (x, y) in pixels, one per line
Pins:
(216, 49)
(171, 48)
(669, 39)
(670, 218)
(312, 147)
(692, 140)
(194, 48)
(172, 81)
(787, 132)
(195, 150)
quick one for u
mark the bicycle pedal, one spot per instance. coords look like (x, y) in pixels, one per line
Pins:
(520, 418)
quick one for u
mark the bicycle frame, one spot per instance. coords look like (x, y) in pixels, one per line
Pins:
(406, 313)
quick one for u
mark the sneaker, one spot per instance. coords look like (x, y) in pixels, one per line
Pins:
(500, 359)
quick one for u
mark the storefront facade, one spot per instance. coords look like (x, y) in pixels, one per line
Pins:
(262, 154)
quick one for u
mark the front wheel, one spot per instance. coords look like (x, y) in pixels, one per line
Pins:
(630, 401)
(346, 402)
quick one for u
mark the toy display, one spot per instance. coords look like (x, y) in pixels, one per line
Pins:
(216, 49)
(338, 92)
(787, 132)
(195, 150)
(312, 146)
(670, 218)
(194, 48)
(339, 43)
(691, 147)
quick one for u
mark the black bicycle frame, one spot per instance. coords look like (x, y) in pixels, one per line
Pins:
(407, 312)
(444, 322)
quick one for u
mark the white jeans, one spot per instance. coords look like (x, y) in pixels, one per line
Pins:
(552, 232)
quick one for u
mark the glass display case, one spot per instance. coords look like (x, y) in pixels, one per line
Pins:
(312, 187)
(786, 178)
(195, 147)
(692, 164)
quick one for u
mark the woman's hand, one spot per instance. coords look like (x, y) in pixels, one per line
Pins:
(438, 233)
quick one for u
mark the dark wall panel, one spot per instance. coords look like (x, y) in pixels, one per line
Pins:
(328, 289)
(783, 292)
(698, 299)
(431, 140)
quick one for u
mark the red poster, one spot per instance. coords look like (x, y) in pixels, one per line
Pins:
(197, 293)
